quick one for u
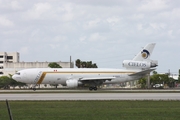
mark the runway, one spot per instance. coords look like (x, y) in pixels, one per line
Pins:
(90, 96)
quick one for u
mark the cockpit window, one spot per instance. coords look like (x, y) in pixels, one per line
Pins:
(18, 73)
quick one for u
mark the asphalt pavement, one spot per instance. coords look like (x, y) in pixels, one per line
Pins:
(90, 96)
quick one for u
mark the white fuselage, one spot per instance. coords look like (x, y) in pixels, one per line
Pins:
(60, 75)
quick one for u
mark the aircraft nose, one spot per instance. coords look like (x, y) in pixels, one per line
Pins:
(15, 77)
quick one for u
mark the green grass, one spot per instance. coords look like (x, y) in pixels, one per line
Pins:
(91, 110)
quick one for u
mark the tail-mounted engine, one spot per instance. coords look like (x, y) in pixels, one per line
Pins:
(139, 64)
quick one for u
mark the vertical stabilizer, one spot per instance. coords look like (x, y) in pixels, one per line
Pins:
(142, 59)
(145, 53)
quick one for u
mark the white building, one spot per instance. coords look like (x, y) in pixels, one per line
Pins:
(174, 76)
(7, 58)
(9, 63)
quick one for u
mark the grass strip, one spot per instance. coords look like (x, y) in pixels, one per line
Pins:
(91, 110)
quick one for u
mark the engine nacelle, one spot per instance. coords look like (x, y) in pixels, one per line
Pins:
(154, 63)
(138, 64)
(72, 83)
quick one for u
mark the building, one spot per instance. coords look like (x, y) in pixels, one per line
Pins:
(174, 76)
(10, 63)
(7, 58)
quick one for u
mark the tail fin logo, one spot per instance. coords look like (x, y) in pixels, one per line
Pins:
(145, 54)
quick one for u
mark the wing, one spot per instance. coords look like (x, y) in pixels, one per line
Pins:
(95, 81)
(142, 72)
(96, 78)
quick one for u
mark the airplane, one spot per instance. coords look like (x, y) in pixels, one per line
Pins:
(138, 67)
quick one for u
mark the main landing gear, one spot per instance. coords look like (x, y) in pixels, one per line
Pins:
(92, 88)
(34, 89)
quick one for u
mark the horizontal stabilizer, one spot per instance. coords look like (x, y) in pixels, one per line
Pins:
(142, 72)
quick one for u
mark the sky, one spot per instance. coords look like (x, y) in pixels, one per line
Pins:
(105, 32)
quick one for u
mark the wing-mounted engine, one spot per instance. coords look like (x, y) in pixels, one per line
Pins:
(72, 83)
(139, 64)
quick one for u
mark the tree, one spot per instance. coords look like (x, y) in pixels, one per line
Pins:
(155, 72)
(54, 65)
(179, 76)
(142, 82)
(78, 63)
(85, 64)
(94, 65)
(171, 82)
(157, 79)
(6, 82)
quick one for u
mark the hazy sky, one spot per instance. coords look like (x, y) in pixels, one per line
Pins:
(104, 31)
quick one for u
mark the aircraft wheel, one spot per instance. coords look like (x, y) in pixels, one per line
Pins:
(90, 88)
(34, 89)
(95, 88)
